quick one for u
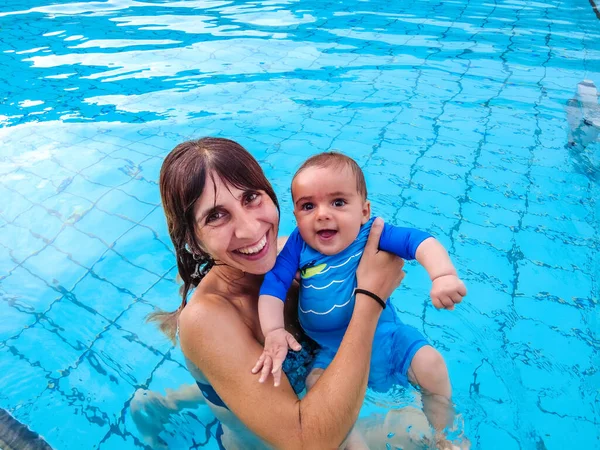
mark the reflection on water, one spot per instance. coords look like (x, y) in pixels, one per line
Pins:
(96, 54)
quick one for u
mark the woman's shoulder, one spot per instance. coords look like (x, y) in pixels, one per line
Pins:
(205, 314)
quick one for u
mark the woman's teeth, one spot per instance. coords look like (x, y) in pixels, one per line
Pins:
(255, 248)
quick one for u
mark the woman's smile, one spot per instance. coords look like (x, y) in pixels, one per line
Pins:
(255, 251)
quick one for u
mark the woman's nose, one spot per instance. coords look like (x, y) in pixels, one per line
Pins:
(246, 226)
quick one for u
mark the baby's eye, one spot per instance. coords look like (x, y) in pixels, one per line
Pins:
(339, 202)
(307, 206)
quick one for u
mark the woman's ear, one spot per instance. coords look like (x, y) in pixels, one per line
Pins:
(366, 212)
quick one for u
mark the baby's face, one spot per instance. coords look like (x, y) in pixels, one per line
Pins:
(328, 208)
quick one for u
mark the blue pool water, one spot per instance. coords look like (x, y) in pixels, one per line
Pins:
(456, 112)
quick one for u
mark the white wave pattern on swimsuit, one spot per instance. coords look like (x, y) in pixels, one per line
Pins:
(312, 311)
(339, 265)
(311, 286)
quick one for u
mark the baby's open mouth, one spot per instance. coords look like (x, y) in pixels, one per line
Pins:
(326, 234)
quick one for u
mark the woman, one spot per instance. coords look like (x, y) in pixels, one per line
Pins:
(223, 218)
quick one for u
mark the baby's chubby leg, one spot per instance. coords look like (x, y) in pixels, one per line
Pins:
(151, 410)
(428, 370)
(354, 440)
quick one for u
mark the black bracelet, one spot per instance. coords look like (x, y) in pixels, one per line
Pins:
(370, 294)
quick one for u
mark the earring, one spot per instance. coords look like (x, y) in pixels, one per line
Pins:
(203, 265)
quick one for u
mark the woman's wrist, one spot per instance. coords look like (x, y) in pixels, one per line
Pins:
(366, 306)
(372, 295)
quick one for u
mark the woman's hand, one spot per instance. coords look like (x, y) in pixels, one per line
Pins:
(379, 272)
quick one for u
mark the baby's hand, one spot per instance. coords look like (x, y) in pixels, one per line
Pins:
(277, 343)
(446, 291)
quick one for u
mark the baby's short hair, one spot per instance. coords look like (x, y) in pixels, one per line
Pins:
(336, 160)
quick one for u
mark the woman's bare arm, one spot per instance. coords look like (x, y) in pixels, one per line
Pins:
(323, 418)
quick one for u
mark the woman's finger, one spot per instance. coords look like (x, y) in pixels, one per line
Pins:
(372, 245)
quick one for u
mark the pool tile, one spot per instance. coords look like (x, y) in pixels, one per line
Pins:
(163, 295)
(7, 264)
(81, 248)
(106, 227)
(499, 237)
(126, 355)
(488, 215)
(97, 391)
(13, 204)
(134, 321)
(28, 292)
(107, 173)
(491, 434)
(12, 320)
(53, 267)
(487, 263)
(537, 344)
(119, 441)
(541, 282)
(119, 203)
(40, 221)
(124, 275)
(142, 190)
(22, 381)
(85, 188)
(54, 362)
(80, 156)
(432, 202)
(65, 313)
(20, 243)
(438, 182)
(540, 248)
(67, 207)
(107, 299)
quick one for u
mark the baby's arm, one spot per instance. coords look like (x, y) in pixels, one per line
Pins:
(277, 339)
(447, 289)
(270, 310)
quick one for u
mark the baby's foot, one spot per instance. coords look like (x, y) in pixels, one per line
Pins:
(149, 413)
(355, 441)
(443, 443)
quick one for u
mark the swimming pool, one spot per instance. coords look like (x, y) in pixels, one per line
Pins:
(456, 112)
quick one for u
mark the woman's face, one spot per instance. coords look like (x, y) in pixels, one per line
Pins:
(237, 227)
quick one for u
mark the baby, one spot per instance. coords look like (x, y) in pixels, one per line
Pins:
(333, 217)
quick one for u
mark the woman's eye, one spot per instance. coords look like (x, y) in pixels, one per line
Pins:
(252, 197)
(339, 202)
(213, 217)
(307, 206)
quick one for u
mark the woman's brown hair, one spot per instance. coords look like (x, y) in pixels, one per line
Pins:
(183, 177)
